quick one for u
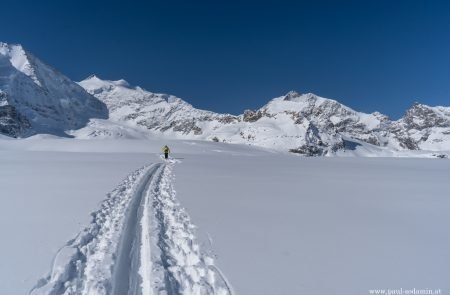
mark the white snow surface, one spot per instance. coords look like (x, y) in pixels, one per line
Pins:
(272, 222)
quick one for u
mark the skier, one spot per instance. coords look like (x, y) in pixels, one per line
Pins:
(166, 151)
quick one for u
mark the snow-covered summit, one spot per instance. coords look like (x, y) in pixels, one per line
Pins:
(137, 107)
(93, 83)
(327, 114)
(295, 101)
(35, 98)
(299, 97)
(19, 59)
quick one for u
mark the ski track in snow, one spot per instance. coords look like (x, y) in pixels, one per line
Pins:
(140, 241)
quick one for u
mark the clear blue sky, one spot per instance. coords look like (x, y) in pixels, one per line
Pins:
(228, 56)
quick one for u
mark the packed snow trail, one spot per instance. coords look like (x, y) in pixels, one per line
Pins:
(141, 241)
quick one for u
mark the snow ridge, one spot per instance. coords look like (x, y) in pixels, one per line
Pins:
(141, 241)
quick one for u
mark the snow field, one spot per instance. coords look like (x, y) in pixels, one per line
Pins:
(141, 241)
(83, 266)
(278, 224)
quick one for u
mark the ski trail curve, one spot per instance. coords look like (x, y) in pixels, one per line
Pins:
(140, 242)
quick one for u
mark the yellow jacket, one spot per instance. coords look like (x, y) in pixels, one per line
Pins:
(166, 149)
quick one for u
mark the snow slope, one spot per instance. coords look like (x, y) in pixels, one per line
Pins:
(274, 223)
(35, 98)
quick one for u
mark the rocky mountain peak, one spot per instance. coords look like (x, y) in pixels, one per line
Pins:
(421, 116)
(291, 95)
(93, 82)
(40, 99)
(297, 96)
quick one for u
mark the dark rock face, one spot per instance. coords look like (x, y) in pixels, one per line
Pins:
(11, 122)
(420, 117)
(291, 95)
(317, 146)
(227, 119)
(186, 127)
(251, 116)
(309, 151)
(183, 126)
(408, 143)
(417, 124)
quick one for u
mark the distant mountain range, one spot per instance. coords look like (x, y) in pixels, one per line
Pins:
(36, 99)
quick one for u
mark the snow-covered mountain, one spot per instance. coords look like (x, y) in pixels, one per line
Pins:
(302, 123)
(137, 107)
(166, 114)
(35, 98)
(423, 127)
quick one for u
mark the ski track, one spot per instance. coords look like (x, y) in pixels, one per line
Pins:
(140, 242)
